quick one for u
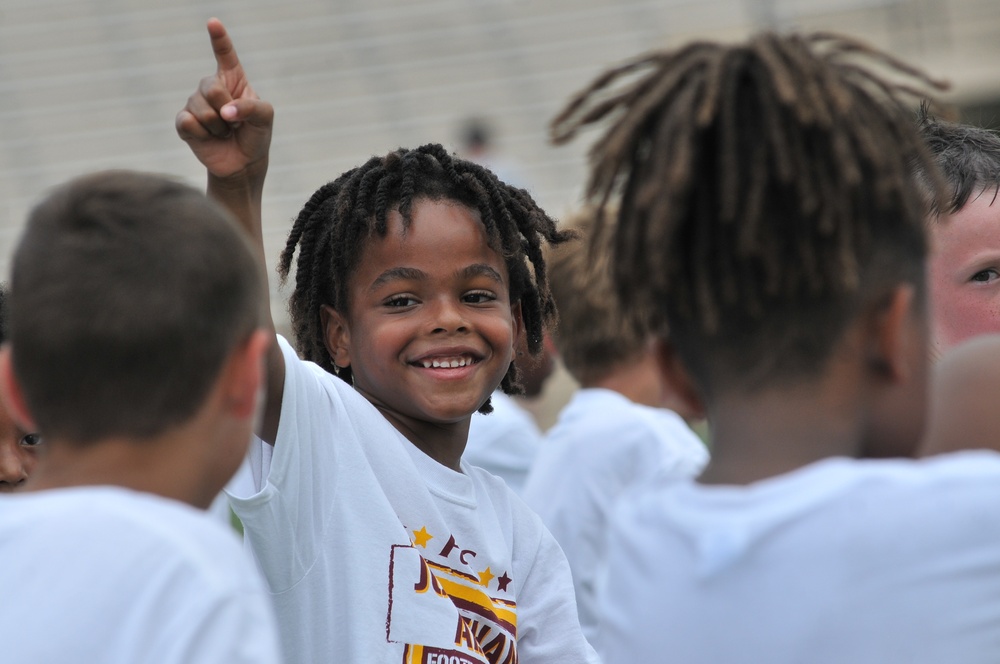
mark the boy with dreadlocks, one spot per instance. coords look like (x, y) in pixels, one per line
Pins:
(412, 282)
(769, 215)
(964, 267)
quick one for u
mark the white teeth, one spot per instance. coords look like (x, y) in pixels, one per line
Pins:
(447, 364)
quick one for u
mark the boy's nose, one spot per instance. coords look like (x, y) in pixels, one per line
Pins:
(12, 467)
(449, 317)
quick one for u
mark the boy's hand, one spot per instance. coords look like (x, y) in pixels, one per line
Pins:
(224, 122)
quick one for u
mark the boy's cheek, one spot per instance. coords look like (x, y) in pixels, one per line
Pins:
(960, 313)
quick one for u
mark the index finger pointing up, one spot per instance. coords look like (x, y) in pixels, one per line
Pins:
(222, 46)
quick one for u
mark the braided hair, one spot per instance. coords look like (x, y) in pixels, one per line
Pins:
(767, 193)
(338, 219)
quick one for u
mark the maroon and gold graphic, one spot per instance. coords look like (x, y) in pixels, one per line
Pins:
(441, 605)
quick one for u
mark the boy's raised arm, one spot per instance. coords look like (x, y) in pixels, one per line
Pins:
(229, 130)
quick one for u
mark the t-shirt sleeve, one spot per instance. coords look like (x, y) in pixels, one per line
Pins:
(548, 627)
(285, 519)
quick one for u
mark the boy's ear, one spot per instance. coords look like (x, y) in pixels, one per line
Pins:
(892, 344)
(336, 335)
(679, 389)
(10, 392)
(246, 375)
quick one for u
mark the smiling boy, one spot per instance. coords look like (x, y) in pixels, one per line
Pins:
(421, 378)
(415, 273)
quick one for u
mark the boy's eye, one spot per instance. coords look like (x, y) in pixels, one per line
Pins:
(479, 297)
(400, 301)
(985, 276)
(31, 439)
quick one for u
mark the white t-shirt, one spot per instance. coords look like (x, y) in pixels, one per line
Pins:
(505, 442)
(240, 484)
(601, 445)
(840, 561)
(375, 553)
(104, 574)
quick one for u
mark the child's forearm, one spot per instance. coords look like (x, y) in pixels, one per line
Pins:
(242, 195)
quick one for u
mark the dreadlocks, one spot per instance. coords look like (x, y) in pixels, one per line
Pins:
(769, 177)
(332, 228)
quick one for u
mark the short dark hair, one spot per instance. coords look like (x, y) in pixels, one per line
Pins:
(766, 195)
(595, 334)
(128, 293)
(340, 216)
(968, 158)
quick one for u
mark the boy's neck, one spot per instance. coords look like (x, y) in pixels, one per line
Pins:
(161, 466)
(638, 381)
(445, 443)
(772, 432)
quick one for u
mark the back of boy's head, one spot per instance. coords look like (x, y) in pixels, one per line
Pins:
(341, 216)
(595, 335)
(128, 293)
(766, 197)
(967, 157)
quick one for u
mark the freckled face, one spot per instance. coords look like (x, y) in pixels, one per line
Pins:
(18, 453)
(965, 273)
(430, 330)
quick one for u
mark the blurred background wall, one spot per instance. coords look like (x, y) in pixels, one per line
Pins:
(88, 84)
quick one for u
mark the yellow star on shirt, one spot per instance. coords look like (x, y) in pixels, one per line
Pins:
(485, 577)
(422, 537)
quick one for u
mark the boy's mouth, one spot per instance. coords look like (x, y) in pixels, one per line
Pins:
(446, 362)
